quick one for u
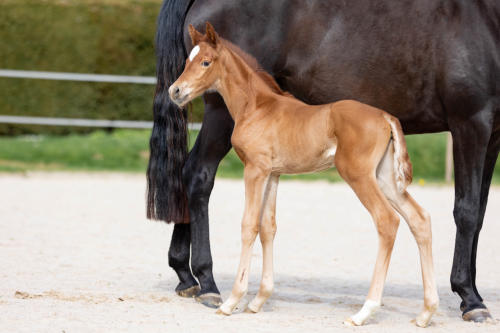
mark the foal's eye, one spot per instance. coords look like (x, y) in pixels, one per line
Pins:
(205, 63)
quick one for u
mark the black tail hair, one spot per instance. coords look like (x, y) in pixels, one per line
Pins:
(166, 197)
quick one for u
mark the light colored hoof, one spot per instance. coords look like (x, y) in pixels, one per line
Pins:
(349, 322)
(252, 308)
(224, 310)
(421, 321)
(367, 311)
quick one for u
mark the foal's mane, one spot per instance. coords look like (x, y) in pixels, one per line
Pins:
(257, 68)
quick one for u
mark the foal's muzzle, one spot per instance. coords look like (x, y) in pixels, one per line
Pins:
(178, 95)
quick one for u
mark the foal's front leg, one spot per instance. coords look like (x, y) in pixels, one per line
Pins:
(255, 184)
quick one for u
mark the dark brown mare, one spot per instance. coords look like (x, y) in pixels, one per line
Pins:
(434, 64)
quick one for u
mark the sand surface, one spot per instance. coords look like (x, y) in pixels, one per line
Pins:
(78, 255)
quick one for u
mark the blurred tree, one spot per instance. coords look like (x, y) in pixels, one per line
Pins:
(84, 36)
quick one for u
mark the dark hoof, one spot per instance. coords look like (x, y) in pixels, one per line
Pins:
(189, 292)
(462, 306)
(478, 316)
(212, 300)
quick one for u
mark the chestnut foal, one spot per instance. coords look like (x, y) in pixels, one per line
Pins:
(274, 134)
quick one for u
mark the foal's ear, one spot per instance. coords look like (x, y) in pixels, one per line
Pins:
(195, 35)
(211, 34)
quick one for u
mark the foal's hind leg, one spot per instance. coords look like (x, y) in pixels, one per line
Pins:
(420, 225)
(255, 185)
(387, 222)
(266, 234)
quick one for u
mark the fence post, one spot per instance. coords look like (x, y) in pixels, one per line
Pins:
(449, 158)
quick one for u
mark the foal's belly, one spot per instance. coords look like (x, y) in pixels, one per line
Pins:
(309, 161)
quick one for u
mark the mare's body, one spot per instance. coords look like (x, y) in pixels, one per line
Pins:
(433, 64)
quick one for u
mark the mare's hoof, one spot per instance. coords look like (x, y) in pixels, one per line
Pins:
(189, 292)
(212, 300)
(478, 316)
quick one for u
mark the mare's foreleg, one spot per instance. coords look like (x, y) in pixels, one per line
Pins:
(256, 181)
(266, 234)
(178, 258)
(212, 144)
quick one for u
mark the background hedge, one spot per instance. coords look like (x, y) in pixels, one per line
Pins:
(102, 37)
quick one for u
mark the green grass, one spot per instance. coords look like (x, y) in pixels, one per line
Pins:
(128, 151)
(117, 151)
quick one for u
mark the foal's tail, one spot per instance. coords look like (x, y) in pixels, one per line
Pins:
(403, 170)
(166, 198)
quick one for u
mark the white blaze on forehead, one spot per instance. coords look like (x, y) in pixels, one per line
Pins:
(194, 52)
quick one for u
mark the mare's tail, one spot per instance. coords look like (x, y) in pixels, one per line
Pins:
(402, 166)
(166, 198)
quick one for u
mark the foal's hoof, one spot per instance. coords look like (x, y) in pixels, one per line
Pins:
(212, 300)
(189, 292)
(421, 322)
(478, 316)
(252, 308)
(350, 322)
(222, 311)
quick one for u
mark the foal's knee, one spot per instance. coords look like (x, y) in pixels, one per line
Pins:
(267, 231)
(387, 226)
(249, 232)
(421, 227)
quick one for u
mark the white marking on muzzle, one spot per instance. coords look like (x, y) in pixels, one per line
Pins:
(194, 52)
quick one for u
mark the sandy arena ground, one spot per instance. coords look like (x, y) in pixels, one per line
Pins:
(77, 255)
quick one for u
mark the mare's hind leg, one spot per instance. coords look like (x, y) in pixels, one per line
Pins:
(266, 234)
(470, 143)
(489, 167)
(386, 221)
(255, 185)
(420, 225)
(212, 144)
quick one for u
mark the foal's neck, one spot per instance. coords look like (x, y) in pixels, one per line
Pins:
(240, 85)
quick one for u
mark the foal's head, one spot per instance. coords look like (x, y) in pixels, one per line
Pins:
(202, 69)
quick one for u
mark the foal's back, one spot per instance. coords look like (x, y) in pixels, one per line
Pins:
(292, 137)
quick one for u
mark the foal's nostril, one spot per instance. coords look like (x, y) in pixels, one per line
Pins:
(174, 92)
